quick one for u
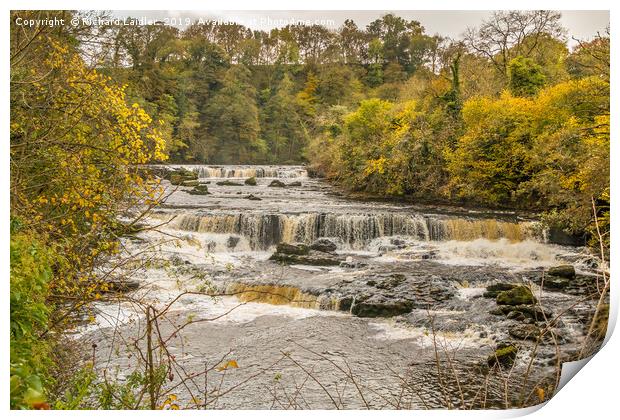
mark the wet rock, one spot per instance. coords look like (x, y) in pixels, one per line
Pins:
(516, 315)
(391, 282)
(351, 263)
(560, 237)
(395, 243)
(232, 241)
(312, 258)
(250, 181)
(525, 332)
(398, 242)
(497, 311)
(292, 249)
(228, 183)
(295, 184)
(380, 307)
(125, 285)
(324, 245)
(495, 289)
(344, 304)
(302, 254)
(585, 285)
(519, 295)
(253, 197)
(564, 271)
(555, 283)
(277, 183)
(199, 190)
(504, 356)
(189, 183)
(528, 311)
(178, 177)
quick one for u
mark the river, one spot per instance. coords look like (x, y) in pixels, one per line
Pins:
(396, 319)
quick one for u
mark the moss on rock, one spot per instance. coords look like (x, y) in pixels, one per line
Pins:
(504, 355)
(519, 295)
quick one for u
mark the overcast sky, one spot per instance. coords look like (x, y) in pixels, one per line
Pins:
(582, 24)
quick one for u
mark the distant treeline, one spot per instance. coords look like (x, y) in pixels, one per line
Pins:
(506, 116)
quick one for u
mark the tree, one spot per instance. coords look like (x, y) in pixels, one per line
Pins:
(508, 34)
(491, 159)
(525, 76)
(282, 125)
(396, 35)
(353, 43)
(76, 145)
(232, 119)
(591, 58)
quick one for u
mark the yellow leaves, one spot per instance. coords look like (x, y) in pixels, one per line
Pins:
(541, 394)
(375, 166)
(169, 403)
(78, 172)
(230, 364)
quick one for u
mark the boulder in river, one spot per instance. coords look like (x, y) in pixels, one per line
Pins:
(504, 356)
(564, 271)
(525, 332)
(252, 197)
(312, 258)
(250, 181)
(526, 311)
(324, 245)
(294, 184)
(495, 289)
(292, 249)
(377, 306)
(518, 295)
(178, 177)
(277, 183)
(302, 254)
(556, 283)
(228, 183)
(232, 241)
(199, 190)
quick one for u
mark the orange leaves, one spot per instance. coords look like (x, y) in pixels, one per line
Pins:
(230, 364)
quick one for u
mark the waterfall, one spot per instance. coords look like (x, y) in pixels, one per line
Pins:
(243, 171)
(280, 295)
(353, 230)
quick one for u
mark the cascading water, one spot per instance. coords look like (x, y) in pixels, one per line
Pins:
(256, 171)
(391, 260)
(353, 231)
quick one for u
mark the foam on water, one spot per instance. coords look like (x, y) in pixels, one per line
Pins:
(214, 310)
(388, 330)
(245, 171)
(479, 252)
